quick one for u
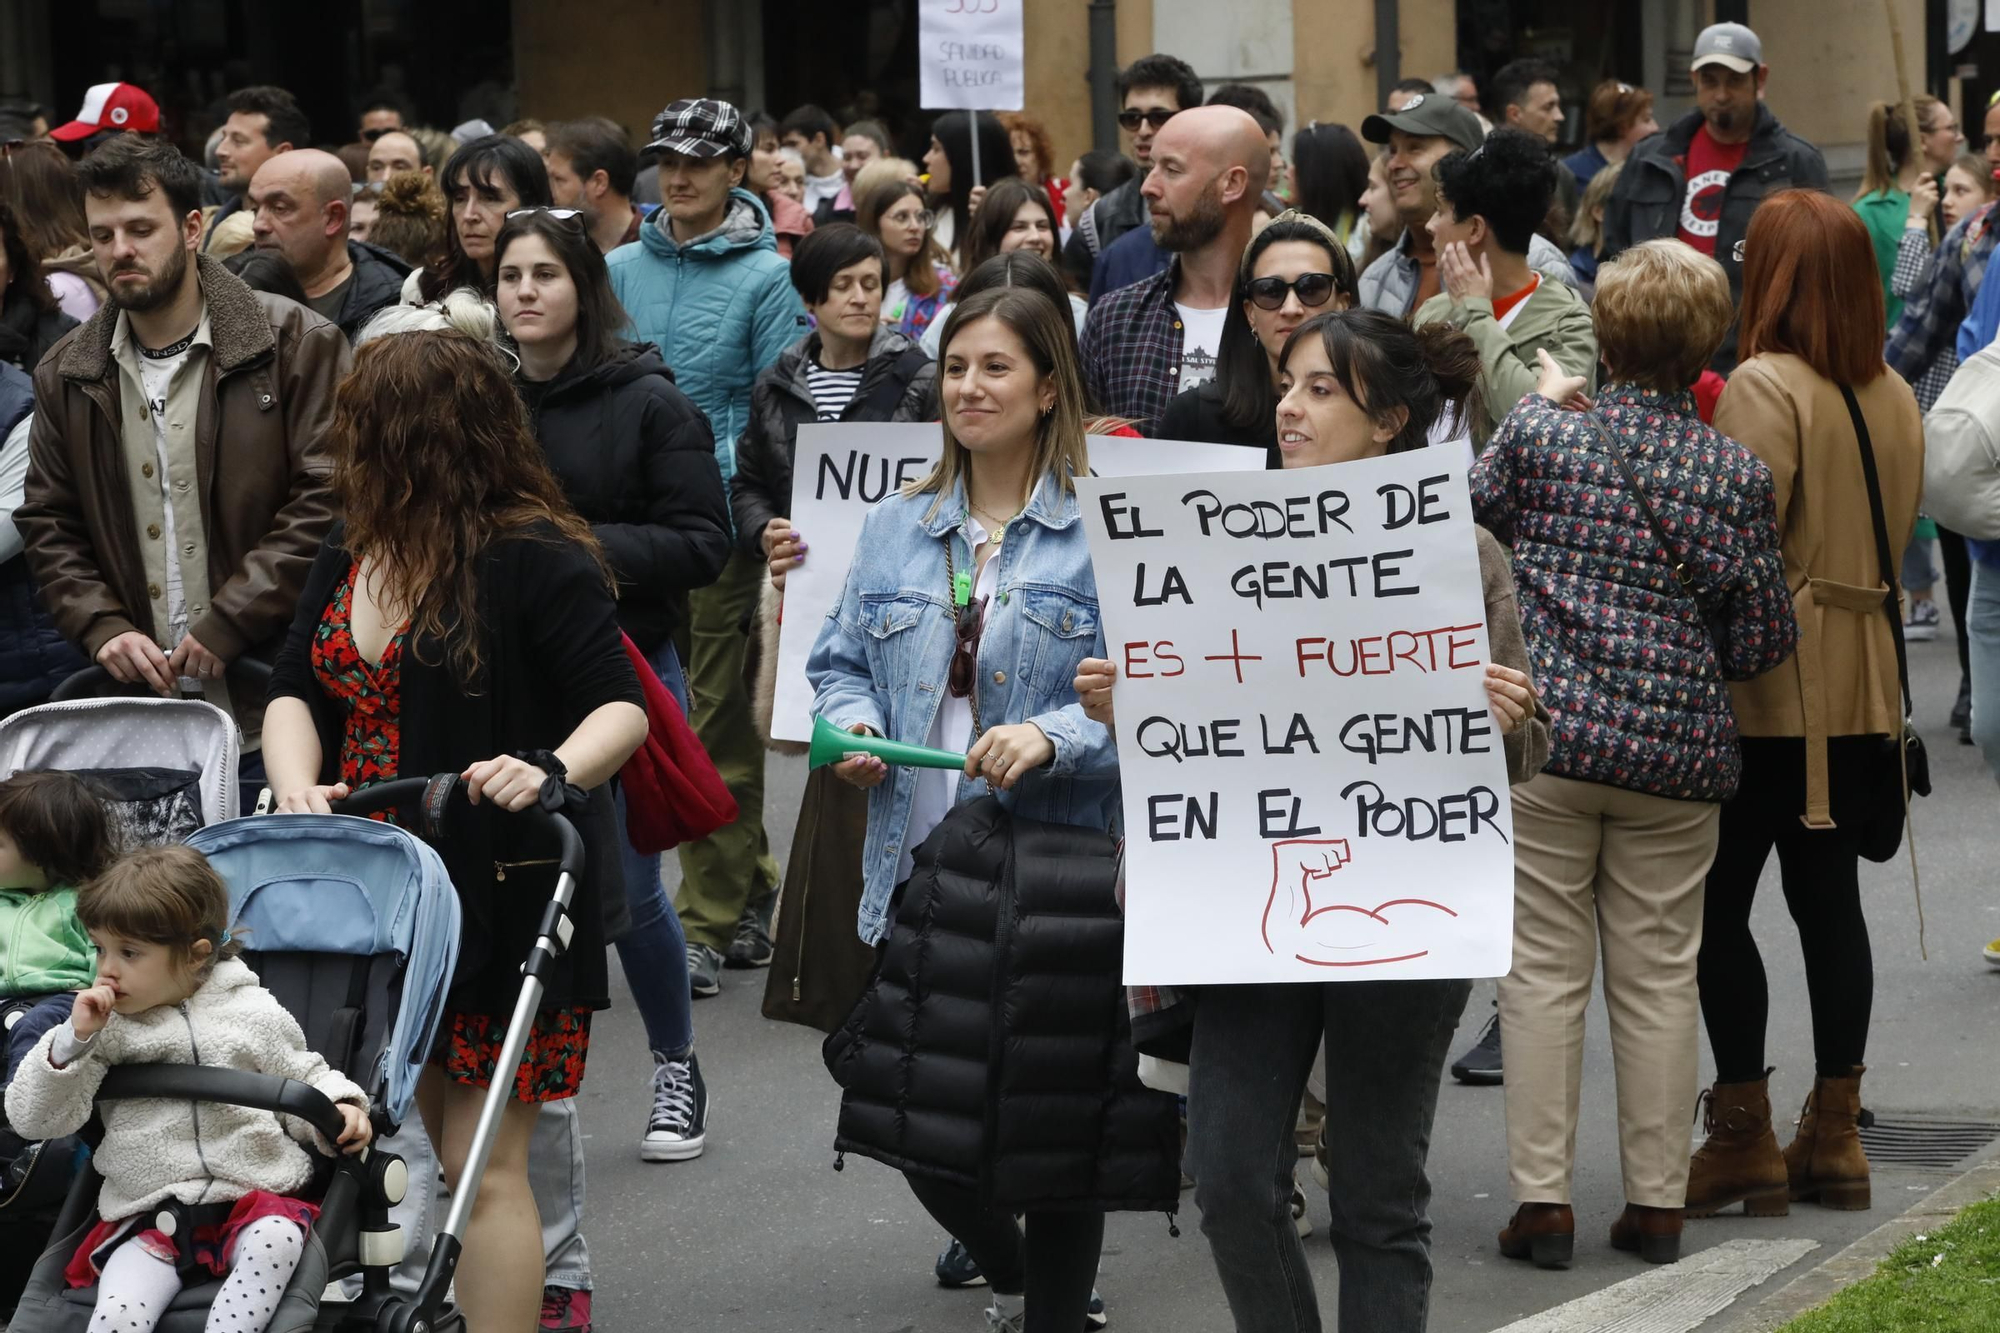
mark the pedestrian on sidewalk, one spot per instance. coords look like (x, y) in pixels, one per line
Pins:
(1635, 629)
(1813, 399)
(1356, 384)
(705, 284)
(988, 557)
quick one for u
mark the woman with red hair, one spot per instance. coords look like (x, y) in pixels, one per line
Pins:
(1035, 157)
(1822, 734)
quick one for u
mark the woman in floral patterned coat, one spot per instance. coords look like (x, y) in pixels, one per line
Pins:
(1635, 630)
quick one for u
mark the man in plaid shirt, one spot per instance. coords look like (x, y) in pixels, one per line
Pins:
(1145, 343)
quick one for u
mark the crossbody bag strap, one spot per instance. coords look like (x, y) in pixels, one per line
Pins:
(1673, 559)
(1892, 599)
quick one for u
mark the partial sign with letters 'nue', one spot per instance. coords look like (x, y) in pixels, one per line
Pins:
(1314, 789)
(970, 54)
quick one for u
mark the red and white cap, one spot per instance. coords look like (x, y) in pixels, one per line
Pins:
(112, 106)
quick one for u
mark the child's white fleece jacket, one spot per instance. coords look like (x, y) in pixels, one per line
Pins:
(196, 1152)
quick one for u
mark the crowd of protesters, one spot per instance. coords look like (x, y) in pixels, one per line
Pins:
(1690, 387)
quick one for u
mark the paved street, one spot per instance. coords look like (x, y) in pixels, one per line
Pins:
(761, 1233)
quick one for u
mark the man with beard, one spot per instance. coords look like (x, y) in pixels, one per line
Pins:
(1419, 136)
(1702, 177)
(1145, 343)
(177, 477)
(299, 204)
(263, 122)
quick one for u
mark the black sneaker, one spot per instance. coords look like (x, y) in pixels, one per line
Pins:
(677, 1127)
(704, 970)
(1961, 711)
(752, 945)
(1481, 1064)
(956, 1269)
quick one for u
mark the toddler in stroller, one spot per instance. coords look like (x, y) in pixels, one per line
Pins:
(53, 838)
(170, 990)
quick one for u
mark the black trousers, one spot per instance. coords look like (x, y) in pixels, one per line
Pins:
(1957, 590)
(1054, 1267)
(1820, 873)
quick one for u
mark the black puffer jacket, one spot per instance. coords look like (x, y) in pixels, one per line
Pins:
(636, 459)
(992, 1049)
(27, 331)
(376, 285)
(899, 383)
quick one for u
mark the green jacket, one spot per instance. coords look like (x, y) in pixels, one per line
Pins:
(1553, 316)
(45, 948)
(1886, 212)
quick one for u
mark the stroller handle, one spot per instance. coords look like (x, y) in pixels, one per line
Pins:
(94, 682)
(237, 1087)
(404, 793)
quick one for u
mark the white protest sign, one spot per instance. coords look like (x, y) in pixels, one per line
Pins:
(970, 55)
(1313, 788)
(841, 469)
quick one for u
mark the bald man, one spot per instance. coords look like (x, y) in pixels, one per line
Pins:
(299, 205)
(1145, 343)
(397, 150)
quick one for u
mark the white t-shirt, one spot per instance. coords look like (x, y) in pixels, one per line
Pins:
(1201, 339)
(937, 788)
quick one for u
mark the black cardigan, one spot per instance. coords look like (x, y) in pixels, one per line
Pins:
(551, 655)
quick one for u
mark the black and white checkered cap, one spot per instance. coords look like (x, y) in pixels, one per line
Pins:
(701, 127)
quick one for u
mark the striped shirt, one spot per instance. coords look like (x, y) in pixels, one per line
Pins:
(832, 390)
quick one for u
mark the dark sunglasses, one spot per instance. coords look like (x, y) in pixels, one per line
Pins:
(1158, 116)
(970, 622)
(372, 135)
(1314, 290)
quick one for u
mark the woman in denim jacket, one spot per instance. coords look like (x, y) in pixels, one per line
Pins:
(968, 609)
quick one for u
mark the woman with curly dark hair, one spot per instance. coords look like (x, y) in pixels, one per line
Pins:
(462, 620)
(482, 183)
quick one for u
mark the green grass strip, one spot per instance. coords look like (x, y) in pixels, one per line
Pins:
(1941, 1281)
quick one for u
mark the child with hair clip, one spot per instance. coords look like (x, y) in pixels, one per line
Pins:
(169, 988)
(53, 838)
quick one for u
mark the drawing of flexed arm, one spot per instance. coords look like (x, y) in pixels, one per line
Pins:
(1305, 918)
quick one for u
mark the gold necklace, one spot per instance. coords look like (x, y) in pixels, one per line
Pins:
(999, 530)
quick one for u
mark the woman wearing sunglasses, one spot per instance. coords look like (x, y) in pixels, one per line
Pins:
(969, 607)
(1292, 270)
(1353, 384)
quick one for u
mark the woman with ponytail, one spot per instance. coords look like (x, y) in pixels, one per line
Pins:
(1636, 625)
(1899, 188)
(1353, 384)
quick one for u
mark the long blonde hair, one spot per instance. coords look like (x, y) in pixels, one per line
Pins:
(1050, 338)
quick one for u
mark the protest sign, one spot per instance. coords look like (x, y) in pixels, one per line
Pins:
(970, 55)
(1313, 787)
(841, 470)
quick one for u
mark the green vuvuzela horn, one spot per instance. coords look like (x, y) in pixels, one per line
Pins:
(830, 745)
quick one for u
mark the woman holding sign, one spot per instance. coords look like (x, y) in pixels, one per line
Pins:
(1354, 384)
(968, 608)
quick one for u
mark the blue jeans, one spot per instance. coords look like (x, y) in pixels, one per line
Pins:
(1386, 1043)
(1982, 623)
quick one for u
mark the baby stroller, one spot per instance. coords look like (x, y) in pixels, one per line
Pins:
(353, 924)
(166, 767)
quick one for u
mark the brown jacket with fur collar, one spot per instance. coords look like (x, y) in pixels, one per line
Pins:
(262, 472)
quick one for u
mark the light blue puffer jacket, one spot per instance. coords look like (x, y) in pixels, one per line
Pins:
(720, 309)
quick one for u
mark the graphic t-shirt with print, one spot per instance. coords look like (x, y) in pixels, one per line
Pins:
(1709, 166)
(1201, 339)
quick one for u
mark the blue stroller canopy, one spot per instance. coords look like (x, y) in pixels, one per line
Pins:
(319, 884)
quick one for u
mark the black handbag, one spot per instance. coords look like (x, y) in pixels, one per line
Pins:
(1905, 767)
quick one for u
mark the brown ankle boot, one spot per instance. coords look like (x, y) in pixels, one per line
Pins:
(1542, 1232)
(1654, 1234)
(1824, 1161)
(1739, 1162)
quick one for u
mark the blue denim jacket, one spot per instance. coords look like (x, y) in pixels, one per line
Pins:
(883, 656)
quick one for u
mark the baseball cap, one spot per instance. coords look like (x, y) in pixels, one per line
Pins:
(1728, 44)
(111, 106)
(1430, 114)
(701, 127)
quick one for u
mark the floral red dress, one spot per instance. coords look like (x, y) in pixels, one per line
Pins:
(370, 744)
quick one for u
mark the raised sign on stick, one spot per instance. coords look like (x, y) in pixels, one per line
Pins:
(1314, 789)
(970, 55)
